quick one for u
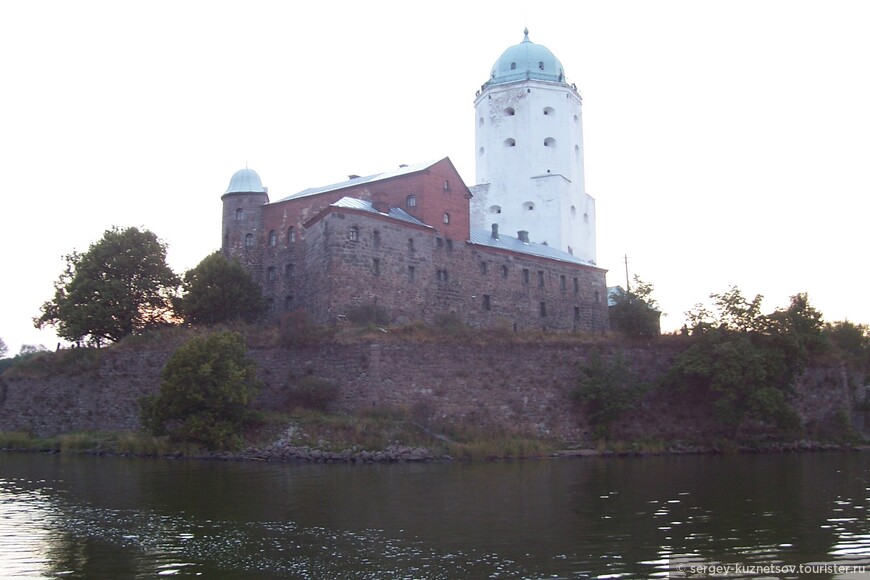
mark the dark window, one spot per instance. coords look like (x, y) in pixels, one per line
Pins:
(541, 65)
(543, 308)
(271, 274)
(376, 239)
(525, 275)
(354, 234)
(273, 238)
(563, 283)
(576, 286)
(576, 314)
(540, 278)
(439, 242)
(410, 244)
(442, 275)
(239, 214)
(376, 267)
(513, 66)
(288, 302)
(249, 241)
(289, 270)
(483, 268)
(504, 271)
(412, 274)
(486, 303)
(449, 244)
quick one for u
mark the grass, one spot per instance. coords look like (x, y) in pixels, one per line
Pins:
(116, 443)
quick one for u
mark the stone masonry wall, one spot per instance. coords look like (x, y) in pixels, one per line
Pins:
(517, 386)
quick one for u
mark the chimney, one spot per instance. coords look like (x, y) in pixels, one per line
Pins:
(353, 176)
(523, 235)
(495, 231)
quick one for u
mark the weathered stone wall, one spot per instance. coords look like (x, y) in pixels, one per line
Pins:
(519, 386)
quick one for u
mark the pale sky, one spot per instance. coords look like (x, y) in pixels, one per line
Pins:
(726, 142)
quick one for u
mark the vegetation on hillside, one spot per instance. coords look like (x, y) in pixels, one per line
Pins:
(219, 290)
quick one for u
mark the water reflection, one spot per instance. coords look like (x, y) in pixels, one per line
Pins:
(86, 517)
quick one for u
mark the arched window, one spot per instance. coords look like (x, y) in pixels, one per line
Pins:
(549, 142)
(549, 111)
(249, 241)
(513, 66)
(495, 209)
(446, 218)
(273, 238)
(510, 112)
(291, 235)
(353, 234)
(529, 206)
(510, 142)
(240, 213)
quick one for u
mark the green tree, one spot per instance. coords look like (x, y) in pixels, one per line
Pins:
(747, 360)
(3, 348)
(205, 391)
(851, 340)
(607, 388)
(121, 285)
(634, 312)
(219, 290)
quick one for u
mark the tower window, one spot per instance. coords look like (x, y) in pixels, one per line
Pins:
(549, 110)
(510, 112)
(549, 142)
(481, 151)
(529, 206)
(411, 201)
(510, 142)
(273, 238)
(513, 66)
(446, 218)
(495, 209)
(541, 64)
(353, 234)
(240, 213)
(480, 122)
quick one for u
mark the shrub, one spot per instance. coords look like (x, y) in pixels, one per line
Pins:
(607, 389)
(205, 391)
(311, 393)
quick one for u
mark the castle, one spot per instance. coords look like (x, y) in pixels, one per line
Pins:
(515, 250)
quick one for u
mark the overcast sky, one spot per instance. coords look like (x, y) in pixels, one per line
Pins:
(726, 142)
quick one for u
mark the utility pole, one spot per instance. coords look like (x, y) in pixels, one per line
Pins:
(627, 285)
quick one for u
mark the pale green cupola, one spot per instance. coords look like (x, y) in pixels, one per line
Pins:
(526, 61)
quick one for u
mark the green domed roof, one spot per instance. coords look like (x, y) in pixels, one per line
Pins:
(525, 61)
(245, 181)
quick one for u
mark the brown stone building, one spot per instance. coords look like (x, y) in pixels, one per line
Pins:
(403, 241)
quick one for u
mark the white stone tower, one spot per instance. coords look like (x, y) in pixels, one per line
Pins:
(529, 141)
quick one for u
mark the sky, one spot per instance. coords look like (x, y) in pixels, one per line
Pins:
(726, 142)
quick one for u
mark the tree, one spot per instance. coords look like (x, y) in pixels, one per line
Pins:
(205, 391)
(635, 312)
(3, 348)
(608, 389)
(119, 286)
(219, 290)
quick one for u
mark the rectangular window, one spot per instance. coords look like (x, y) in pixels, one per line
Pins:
(410, 244)
(272, 274)
(439, 242)
(483, 268)
(576, 286)
(449, 244)
(412, 274)
(543, 308)
(576, 314)
(525, 275)
(541, 278)
(376, 267)
(442, 275)
(504, 271)
(289, 270)
(486, 303)
(563, 283)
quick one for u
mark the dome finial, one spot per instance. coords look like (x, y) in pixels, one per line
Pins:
(526, 34)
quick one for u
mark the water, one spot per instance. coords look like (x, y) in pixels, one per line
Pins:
(91, 517)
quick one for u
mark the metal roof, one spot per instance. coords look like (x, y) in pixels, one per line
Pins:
(526, 61)
(361, 180)
(483, 237)
(245, 181)
(395, 212)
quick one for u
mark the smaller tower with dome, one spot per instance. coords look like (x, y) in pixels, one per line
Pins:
(242, 216)
(529, 152)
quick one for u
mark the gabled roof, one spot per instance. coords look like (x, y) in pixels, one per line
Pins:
(361, 205)
(484, 238)
(408, 169)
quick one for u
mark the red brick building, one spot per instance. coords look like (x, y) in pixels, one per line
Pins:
(403, 241)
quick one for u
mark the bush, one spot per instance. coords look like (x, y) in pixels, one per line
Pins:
(206, 388)
(311, 393)
(607, 389)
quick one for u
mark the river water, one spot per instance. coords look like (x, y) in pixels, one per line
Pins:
(64, 516)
